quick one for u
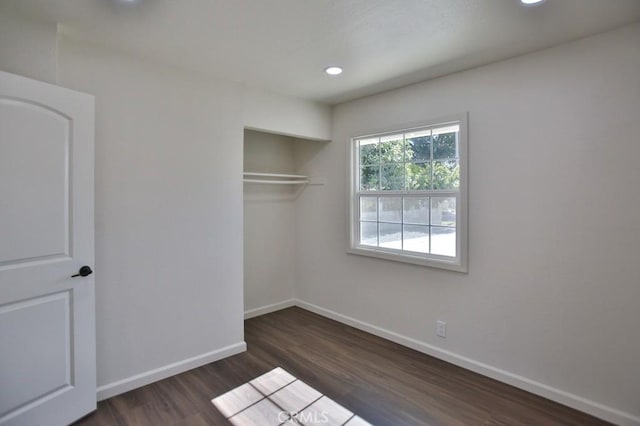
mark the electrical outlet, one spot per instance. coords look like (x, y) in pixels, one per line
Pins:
(441, 329)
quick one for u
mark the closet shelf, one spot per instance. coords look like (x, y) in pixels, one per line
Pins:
(275, 178)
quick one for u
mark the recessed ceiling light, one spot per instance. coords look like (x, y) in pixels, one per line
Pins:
(531, 2)
(333, 70)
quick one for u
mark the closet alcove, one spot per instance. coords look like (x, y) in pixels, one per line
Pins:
(276, 171)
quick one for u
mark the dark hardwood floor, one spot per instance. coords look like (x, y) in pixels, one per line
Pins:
(382, 382)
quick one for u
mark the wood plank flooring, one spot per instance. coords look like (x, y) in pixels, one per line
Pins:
(382, 382)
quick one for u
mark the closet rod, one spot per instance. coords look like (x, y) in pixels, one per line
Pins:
(277, 182)
(275, 175)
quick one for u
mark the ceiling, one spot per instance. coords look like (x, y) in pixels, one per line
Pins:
(284, 45)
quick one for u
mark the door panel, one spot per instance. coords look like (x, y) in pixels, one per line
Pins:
(41, 351)
(47, 318)
(34, 182)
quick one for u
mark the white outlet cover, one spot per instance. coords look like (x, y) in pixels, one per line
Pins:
(441, 329)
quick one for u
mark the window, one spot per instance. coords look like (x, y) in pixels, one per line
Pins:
(408, 194)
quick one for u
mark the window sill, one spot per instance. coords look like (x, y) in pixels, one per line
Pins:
(450, 265)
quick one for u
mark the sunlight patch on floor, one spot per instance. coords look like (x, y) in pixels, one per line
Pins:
(277, 398)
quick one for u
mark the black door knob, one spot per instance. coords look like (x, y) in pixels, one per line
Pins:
(83, 272)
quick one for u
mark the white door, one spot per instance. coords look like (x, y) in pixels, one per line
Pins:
(47, 318)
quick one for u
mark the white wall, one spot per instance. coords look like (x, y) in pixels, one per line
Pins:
(169, 200)
(553, 285)
(285, 115)
(168, 211)
(269, 223)
(27, 47)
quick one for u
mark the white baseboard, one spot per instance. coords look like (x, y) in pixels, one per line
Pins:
(142, 379)
(565, 398)
(269, 308)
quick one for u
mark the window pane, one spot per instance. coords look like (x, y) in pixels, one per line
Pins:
(391, 235)
(369, 154)
(443, 211)
(418, 175)
(369, 178)
(418, 146)
(444, 145)
(391, 209)
(392, 177)
(406, 187)
(416, 210)
(446, 174)
(443, 241)
(416, 238)
(369, 233)
(392, 149)
(368, 208)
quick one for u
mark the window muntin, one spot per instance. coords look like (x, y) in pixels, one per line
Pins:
(407, 194)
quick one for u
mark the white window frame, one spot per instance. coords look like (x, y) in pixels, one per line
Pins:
(459, 263)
